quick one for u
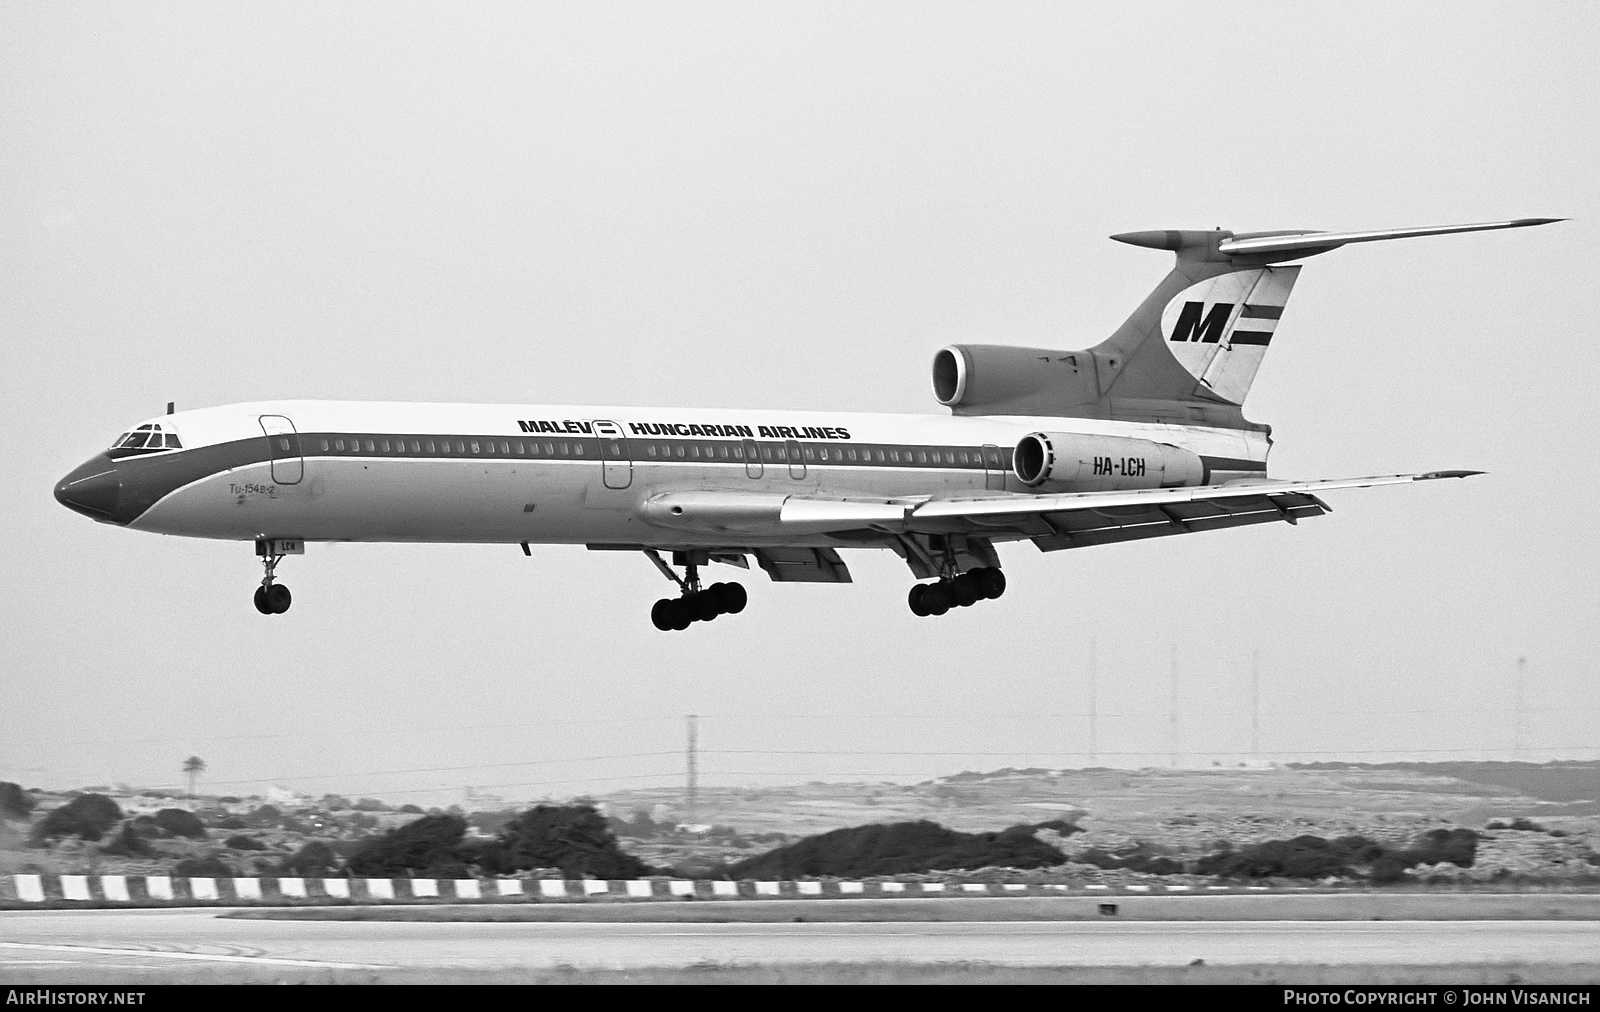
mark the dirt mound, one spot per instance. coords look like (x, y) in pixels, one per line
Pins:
(904, 848)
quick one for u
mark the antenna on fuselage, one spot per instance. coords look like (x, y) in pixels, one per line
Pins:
(171, 406)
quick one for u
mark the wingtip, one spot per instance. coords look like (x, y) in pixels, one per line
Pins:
(1448, 474)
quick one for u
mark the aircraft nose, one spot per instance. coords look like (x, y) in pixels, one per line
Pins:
(91, 489)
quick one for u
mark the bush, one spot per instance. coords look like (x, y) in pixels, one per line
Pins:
(242, 842)
(574, 838)
(371, 805)
(409, 809)
(127, 843)
(425, 845)
(313, 860)
(231, 822)
(900, 848)
(146, 827)
(87, 816)
(265, 817)
(1301, 857)
(178, 822)
(14, 801)
(1314, 857)
(1457, 846)
(210, 866)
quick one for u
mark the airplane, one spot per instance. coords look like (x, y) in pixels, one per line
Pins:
(1142, 435)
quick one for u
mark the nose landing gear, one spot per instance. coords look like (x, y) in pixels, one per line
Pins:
(273, 598)
(695, 604)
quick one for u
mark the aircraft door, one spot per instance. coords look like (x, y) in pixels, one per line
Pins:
(283, 448)
(797, 463)
(994, 475)
(752, 459)
(616, 458)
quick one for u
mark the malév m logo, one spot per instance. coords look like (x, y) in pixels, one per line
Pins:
(1191, 327)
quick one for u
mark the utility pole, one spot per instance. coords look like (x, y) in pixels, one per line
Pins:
(692, 802)
(1519, 730)
(1092, 713)
(1172, 707)
(1255, 705)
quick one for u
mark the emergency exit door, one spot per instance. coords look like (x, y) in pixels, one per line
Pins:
(283, 448)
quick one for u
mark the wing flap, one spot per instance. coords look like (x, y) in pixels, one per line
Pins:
(995, 507)
(1084, 528)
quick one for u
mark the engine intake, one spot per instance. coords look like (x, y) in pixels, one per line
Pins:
(979, 379)
(1079, 462)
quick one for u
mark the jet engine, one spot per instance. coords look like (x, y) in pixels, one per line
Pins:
(980, 379)
(1080, 462)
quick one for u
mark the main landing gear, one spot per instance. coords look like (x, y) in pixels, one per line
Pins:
(964, 591)
(271, 598)
(695, 604)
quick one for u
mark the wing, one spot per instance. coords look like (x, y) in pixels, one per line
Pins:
(1053, 522)
(1077, 520)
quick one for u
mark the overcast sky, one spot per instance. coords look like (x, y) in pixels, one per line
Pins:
(791, 206)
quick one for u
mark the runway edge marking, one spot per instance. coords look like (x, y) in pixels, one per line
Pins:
(33, 891)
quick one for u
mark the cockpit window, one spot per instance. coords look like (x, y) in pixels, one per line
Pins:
(147, 438)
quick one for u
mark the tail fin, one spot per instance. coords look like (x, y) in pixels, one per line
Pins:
(1191, 350)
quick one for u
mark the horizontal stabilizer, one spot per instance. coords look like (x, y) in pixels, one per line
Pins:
(1263, 244)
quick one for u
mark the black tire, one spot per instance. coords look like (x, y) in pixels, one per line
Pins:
(682, 615)
(919, 607)
(661, 615)
(992, 581)
(705, 606)
(734, 598)
(279, 598)
(965, 590)
(714, 593)
(936, 598)
(261, 601)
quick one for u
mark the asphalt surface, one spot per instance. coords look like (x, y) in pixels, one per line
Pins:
(197, 945)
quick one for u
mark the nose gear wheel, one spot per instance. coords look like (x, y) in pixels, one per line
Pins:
(272, 598)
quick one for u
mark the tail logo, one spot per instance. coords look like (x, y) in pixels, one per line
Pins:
(1219, 329)
(1191, 327)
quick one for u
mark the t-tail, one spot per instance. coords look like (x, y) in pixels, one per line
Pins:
(1188, 354)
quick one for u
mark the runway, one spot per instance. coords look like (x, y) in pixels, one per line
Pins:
(155, 946)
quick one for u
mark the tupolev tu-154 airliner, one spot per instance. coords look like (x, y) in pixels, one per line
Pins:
(1142, 435)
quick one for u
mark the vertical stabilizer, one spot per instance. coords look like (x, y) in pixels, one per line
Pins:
(1187, 355)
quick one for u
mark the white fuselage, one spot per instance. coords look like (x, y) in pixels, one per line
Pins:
(417, 472)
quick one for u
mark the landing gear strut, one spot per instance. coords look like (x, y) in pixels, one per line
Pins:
(272, 598)
(694, 604)
(956, 589)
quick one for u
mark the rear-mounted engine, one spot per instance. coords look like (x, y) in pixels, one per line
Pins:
(1075, 462)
